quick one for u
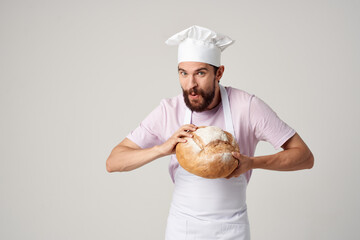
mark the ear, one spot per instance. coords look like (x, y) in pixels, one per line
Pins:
(220, 73)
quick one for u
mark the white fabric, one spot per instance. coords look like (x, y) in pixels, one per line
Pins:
(184, 228)
(199, 44)
(226, 104)
(206, 209)
(187, 119)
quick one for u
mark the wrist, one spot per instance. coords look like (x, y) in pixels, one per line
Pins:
(254, 163)
(159, 152)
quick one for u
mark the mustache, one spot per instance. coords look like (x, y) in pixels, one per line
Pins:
(194, 91)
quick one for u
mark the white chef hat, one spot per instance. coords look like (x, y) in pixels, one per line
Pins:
(199, 44)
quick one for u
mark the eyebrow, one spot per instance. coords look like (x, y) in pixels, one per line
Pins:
(197, 70)
(201, 69)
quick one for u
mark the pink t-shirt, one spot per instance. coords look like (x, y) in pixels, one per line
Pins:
(252, 118)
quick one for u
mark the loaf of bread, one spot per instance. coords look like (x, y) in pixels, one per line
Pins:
(208, 153)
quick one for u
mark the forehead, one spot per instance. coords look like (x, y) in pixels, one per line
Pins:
(193, 66)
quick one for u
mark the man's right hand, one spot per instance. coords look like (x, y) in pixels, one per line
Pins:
(168, 147)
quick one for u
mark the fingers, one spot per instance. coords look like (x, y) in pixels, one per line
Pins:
(236, 155)
(184, 134)
(237, 171)
(185, 130)
(188, 128)
(178, 137)
(245, 164)
(181, 139)
(233, 174)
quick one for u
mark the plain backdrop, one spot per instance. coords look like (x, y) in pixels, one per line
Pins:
(77, 76)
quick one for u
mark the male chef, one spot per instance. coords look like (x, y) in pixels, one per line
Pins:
(201, 208)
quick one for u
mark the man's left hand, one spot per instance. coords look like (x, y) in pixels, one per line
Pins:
(245, 164)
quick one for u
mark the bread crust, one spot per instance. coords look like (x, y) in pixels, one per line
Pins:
(213, 160)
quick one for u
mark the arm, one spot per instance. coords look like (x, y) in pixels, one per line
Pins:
(295, 156)
(127, 155)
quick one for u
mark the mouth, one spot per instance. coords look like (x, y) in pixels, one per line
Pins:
(193, 95)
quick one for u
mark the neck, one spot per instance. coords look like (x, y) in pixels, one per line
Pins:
(217, 97)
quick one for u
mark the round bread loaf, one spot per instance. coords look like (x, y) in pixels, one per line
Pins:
(208, 153)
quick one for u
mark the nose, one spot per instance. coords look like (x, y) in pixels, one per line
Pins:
(192, 82)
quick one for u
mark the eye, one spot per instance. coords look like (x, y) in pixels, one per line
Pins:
(183, 73)
(201, 73)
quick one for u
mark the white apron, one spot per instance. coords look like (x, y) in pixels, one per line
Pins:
(206, 209)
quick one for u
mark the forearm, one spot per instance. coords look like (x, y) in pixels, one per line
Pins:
(124, 158)
(128, 155)
(287, 160)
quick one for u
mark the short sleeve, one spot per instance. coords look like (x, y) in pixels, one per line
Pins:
(149, 132)
(267, 126)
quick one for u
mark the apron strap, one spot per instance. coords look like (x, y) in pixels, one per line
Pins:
(227, 113)
(188, 113)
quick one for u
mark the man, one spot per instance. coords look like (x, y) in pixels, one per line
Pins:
(209, 208)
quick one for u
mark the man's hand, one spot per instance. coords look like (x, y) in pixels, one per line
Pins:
(245, 164)
(296, 156)
(168, 147)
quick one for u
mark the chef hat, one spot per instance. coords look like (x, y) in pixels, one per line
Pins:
(198, 44)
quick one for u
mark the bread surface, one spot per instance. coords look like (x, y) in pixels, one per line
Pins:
(208, 153)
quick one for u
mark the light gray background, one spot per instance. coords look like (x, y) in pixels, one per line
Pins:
(77, 76)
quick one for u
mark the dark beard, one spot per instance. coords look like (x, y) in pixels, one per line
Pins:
(207, 97)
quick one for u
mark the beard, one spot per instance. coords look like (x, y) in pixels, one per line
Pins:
(202, 103)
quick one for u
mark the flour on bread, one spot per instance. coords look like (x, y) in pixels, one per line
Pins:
(227, 156)
(209, 134)
(193, 145)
